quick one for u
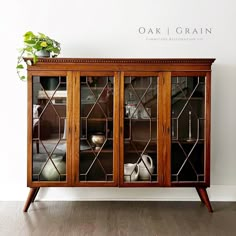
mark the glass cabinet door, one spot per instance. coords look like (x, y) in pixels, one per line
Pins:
(140, 160)
(96, 135)
(187, 129)
(49, 105)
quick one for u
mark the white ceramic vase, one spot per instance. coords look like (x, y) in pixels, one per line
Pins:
(50, 173)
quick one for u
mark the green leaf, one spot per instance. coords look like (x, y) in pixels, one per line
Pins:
(37, 46)
(20, 66)
(31, 41)
(28, 49)
(33, 44)
(42, 35)
(50, 48)
(22, 77)
(35, 59)
(49, 42)
(28, 35)
(56, 50)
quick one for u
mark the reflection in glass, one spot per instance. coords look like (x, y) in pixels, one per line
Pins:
(96, 128)
(187, 120)
(140, 129)
(49, 128)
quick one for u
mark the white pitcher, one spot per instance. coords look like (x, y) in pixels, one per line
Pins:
(131, 172)
(146, 167)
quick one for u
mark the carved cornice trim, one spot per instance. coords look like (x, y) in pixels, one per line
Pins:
(127, 60)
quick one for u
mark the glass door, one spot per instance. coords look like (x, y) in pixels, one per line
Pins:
(98, 153)
(49, 121)
(140, 129)
(188, 118)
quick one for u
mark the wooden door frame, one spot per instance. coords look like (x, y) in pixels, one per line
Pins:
(76, 129)
(30, 182)
(207, 128)
(164, 123)
(159, 150)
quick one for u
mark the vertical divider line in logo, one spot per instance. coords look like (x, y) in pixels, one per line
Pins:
(168, 30)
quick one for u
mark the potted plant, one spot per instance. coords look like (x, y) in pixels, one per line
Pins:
(36, 45)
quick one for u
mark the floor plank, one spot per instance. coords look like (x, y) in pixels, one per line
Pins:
(117, 218)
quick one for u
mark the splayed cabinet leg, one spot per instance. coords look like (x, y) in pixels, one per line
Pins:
(31, 197)
(204, 198)
(35, 194)
(200, 196)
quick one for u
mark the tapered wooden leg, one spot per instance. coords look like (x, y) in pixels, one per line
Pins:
(199, 194)
(31, 196)
(35, 194)
(204, 197)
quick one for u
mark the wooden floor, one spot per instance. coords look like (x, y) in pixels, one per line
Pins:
(117, 218)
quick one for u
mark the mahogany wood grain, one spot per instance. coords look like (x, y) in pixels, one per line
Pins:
(31, 196)
(114, 64)
(204, 198)
(207, 134)
(69, 127)
(116, 133)
(121, 126)
(29, 129)
(156, 61)
(164, 142)
(73, 69)
(200, 196)
(189, 184)
(76, 129)
(35, 194)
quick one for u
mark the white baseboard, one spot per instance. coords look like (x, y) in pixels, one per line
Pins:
(215, 192)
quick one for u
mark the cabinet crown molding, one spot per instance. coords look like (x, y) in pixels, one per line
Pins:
(127, 60)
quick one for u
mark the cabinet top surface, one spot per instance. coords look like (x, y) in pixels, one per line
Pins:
(59, 60)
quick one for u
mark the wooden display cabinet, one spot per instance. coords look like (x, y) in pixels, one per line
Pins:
(119, 122)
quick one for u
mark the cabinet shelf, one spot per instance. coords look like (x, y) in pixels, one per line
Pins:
(141, 150)
(45, 94)
(191, 99)
(97, 119)
(98, 88)
(92, 102)
(140, 119)
(139, 141)
(185, 141)
(104, 150)
(142, 89)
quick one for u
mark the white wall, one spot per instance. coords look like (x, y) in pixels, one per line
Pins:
(106, 28)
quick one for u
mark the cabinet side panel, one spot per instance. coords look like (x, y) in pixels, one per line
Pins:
(29, 130)
(208, 127)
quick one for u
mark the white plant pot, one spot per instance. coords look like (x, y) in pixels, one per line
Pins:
(43, 53)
